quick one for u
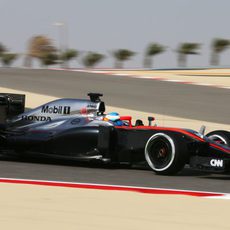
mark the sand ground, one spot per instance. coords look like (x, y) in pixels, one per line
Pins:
(218, 77)
(42, 207)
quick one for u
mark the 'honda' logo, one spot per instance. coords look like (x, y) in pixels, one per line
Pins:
(217, 163)
(35, 118)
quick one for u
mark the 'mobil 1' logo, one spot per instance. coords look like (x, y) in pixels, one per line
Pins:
(56, 109)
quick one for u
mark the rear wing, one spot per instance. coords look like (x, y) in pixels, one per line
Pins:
(11, 105)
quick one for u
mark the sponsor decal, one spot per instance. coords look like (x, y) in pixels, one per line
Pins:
(35, 118)
(83, 111)
(217, 163)
(92, 106)
(75, 121)
(56, 109)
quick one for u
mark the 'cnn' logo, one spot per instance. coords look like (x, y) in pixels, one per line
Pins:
(216, 163)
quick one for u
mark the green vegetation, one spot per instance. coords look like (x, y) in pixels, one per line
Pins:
(184, 50)
(91, 59)
(8, 58)
(41, 47)
(2, 49)
(68, 55)
(152, 50)
(218, 46)
(49, 58)
(122, 55)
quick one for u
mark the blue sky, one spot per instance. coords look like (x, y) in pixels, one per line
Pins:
(105, 25)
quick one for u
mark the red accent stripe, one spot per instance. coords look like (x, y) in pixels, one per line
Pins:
(220, 148)
(163, 129)
(111, 187)
(175, 130)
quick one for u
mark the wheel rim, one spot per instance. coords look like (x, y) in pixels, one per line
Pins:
(218, 139)
(160, 152)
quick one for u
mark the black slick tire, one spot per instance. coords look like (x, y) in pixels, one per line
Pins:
(166, 154)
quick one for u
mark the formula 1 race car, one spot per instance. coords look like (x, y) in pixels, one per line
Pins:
(78, 129)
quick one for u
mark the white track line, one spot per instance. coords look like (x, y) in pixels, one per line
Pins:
(144, 77)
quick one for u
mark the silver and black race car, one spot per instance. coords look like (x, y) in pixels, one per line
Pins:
(76, 129)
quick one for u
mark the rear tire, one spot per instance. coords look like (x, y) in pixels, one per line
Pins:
(220, 136)
(166, 154)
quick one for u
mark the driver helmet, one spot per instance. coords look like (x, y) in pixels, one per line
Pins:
(113, 117)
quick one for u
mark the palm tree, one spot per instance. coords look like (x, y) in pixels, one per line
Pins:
(122, 55)
(91, 59)
(2, 49)
(49, 59)
(8, 58)
(184, 50)
(152, 50)
(218, 46)
(39, 47)
(68, 55)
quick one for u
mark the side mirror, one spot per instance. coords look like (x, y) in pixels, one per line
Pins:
(151, 119)
(202, 130)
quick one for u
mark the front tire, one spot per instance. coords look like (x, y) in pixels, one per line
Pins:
(166, 154)
(220, 137)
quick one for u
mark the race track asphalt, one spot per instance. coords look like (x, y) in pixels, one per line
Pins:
(56, 170)
(168, 98)
(196, 102)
